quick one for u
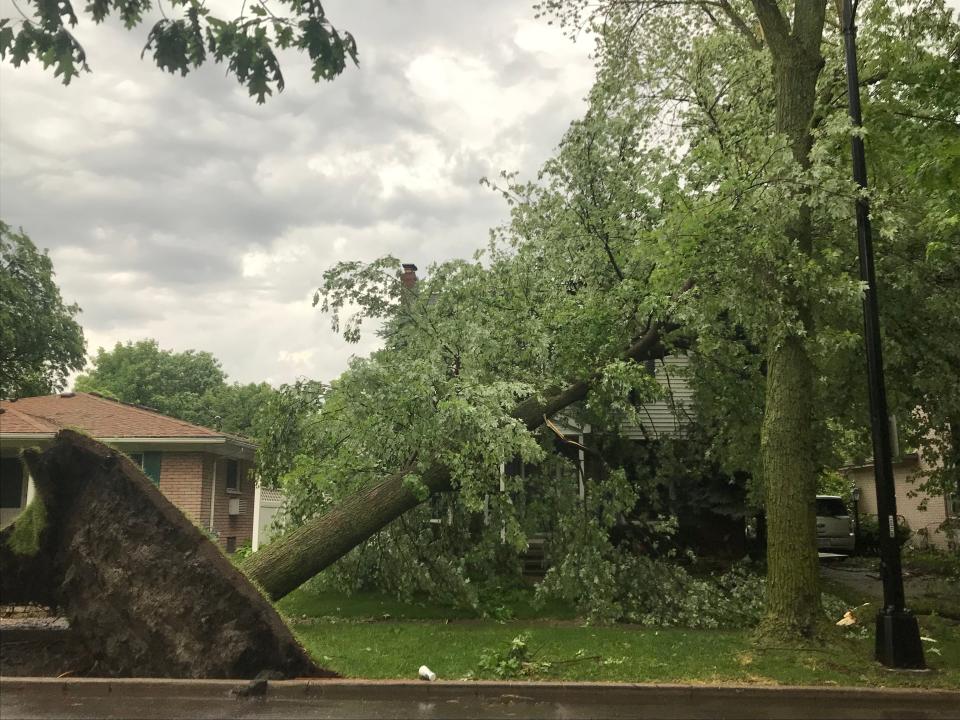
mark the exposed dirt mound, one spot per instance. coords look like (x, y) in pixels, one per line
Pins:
(146, 592)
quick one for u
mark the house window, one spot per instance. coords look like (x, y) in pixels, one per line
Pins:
(149, 462)
(233, 476)
(11, 483)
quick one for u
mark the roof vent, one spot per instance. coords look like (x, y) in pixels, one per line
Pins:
(68, 395)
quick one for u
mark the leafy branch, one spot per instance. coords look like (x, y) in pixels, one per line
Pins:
(247, 44)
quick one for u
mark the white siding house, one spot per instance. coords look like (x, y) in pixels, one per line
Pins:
(669, 416)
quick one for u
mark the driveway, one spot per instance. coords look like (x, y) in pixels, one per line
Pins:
(924, 593)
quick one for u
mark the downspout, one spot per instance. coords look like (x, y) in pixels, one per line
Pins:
(255, 542)
(213, 492)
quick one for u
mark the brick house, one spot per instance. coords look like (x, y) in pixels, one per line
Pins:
(204, 472)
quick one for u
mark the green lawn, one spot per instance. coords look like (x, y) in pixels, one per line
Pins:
(517, 604)
(374, 636)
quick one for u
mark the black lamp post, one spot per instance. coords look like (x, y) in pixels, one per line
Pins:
(898, 634)
(856, 519)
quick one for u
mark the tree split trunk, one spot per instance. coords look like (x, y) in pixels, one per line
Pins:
(288, 562)
(788, 435)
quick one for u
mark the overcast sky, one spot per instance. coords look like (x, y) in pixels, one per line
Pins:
(178, 209)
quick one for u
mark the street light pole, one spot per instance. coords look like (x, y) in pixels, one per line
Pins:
(898, 634)
(856, 519)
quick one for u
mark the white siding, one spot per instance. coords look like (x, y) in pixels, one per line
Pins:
(669, 416)
(269, 504)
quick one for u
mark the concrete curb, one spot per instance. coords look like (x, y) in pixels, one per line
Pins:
(155, 698)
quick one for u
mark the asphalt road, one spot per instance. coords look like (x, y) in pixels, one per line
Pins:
(139, 698)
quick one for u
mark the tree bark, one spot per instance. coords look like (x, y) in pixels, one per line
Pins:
(787, 449)
(286, 563)
(788, 434)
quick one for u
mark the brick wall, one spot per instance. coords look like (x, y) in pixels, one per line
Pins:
(181, 480)
(225, 526)
(186, 478)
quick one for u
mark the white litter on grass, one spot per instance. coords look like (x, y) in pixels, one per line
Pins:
(427, 674)
(922, 637)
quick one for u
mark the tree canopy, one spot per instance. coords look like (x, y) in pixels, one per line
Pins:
(186, 36)
(41, 342)
(689, 171)
(189, 385)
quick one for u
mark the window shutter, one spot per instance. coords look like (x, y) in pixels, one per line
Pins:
(151, 466)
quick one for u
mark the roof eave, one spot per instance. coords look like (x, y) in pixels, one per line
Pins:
(142, 440)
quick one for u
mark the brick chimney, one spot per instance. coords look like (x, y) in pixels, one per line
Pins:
(408, 278)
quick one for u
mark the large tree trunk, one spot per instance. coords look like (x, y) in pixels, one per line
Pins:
(787, 447)
(789, 427)
(288, 562)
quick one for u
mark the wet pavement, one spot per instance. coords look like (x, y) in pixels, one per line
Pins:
(140, 698)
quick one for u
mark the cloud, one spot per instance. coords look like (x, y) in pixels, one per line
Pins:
(176, 208)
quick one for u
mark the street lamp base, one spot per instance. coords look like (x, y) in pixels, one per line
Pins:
(898, 640)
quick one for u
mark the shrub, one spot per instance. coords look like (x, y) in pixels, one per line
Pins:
(869, 541)
(934, 562)
(661, 593)
(242, 553)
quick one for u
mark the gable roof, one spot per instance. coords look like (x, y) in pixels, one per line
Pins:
(99, 416)
(14, 421)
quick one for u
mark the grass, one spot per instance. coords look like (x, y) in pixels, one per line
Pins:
(516, 604)
(374, 636)
(25, 538)
(933, 562)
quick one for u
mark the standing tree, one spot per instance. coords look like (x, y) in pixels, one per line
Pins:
(747, 99)
(692, 162)
(187, 37)
(40, 341)
(143, 374)
(714, 89)
(189, 385)
(235, 408)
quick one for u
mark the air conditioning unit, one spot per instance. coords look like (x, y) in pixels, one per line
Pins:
(233, 506)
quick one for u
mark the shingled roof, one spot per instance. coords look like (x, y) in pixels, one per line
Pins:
(99, 416)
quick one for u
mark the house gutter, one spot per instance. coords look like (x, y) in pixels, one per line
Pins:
(902, 460)
(27, 436)
(255, 541)
(179, 441)
(214, 440)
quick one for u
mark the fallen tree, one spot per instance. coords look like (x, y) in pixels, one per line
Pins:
(288, 562)
(145, 591)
